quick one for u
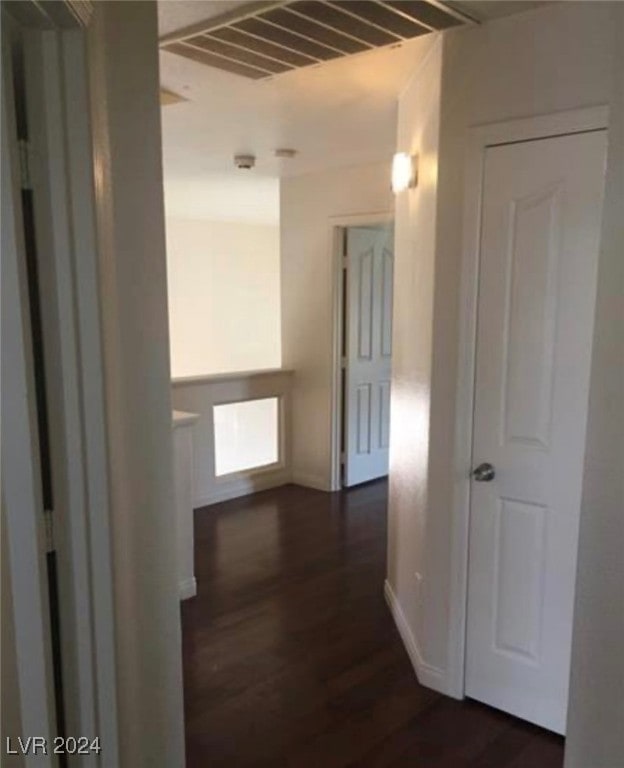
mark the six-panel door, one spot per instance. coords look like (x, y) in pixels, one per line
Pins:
(541, 211)
(369, 254)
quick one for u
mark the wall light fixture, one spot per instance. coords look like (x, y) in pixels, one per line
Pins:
(404, 172)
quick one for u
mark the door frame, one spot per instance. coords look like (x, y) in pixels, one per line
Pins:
(23, 532)
(479, 139)
(337, 226)
(62, 156)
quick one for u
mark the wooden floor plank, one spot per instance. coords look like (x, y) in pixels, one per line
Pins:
(291, 657)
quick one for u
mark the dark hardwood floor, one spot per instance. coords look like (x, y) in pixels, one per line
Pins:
(291, 657)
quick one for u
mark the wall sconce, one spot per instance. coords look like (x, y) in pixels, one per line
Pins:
(404, 172)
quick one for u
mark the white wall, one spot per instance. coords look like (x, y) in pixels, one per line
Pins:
(552, 59)
(596, 710)
(307, 204)
(123, 57)
(210, 196)
(200, 396)
(410, 542)
(224, 296)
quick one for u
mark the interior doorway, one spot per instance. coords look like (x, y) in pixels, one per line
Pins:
(364, 291)
(55, 499)
(538, 256)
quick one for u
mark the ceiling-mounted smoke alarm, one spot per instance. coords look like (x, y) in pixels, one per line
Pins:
(285, 153)
(244, 161)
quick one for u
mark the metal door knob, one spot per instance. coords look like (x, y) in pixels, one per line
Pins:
(484, 473)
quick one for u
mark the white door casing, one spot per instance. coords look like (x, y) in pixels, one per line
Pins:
(369, 254)
(57, 169)
(541, 209)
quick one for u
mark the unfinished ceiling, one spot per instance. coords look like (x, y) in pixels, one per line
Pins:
(338, 114)
(266, 39)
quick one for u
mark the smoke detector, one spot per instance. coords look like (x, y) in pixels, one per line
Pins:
(244, 161)
(283, 153)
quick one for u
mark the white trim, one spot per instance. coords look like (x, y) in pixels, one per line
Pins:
(184, 381)
(22, 505)
(315, 482)
(63, 185)
(62, 175)
(337, 224)
(363, 219)
(427, 674)
(481, 137)
(243, 484)
(188, 588)
(80, 179)
(54, 196)
(183, 419)
(53, 237)
(541, 127)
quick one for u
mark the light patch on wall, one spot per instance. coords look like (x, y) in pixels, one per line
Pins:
(246, 435)
(409, 427)
(428, 170)
(224, 296)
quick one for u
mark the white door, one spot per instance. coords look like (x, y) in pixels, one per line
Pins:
(541, 216)
(369, 253)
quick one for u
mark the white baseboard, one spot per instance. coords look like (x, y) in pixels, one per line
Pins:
(311, 481)
(428, 675)
(187, 588)
(243, 486)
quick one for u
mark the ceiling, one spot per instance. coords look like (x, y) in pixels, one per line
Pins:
(485, 10)
(273, 39)
(337, 114)
(174, 15)
(179, 14)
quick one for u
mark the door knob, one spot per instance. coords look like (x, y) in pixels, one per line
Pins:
(484, 473)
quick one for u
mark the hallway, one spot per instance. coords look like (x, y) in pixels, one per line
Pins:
(291, 657)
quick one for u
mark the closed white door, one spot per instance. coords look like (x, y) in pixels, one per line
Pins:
(541, 212)
(369, 253)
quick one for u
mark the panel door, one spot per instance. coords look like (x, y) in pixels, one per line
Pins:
(369, 253)
(539, 247)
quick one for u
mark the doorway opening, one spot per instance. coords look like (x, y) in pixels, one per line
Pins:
(363, 275)
(513, 618)
(55, 485)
